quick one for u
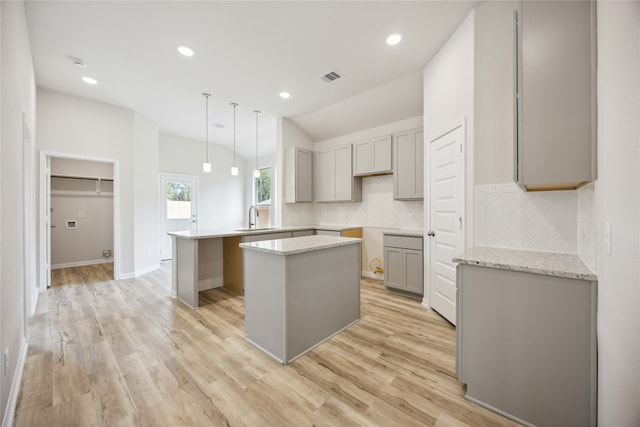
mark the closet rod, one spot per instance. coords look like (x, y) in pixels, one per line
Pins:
(82, 177)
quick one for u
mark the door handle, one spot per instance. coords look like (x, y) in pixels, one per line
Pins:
(431, 233)
(53, 226)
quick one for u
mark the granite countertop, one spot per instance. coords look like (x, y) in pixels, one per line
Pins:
(297, 245)
(405, 232)
(225, 232)
(546, 263)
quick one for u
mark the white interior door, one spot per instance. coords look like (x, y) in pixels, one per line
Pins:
(178, 204)
(446, 222)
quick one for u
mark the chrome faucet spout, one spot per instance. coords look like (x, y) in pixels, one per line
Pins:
(257, 214)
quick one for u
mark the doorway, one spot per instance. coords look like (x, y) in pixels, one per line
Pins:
(79, 218)
(446, 226)
(178, 208)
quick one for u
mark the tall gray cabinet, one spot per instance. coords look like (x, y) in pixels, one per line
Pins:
(408, 165)
(555, 94)
(298, 167)
(334, 176)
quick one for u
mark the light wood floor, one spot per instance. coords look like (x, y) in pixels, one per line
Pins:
(82, 275)
(124, 353)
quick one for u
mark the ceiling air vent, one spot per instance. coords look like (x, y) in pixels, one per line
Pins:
(329, 77)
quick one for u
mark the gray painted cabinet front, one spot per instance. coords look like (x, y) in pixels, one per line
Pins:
(408, 165)
(298, 175)
(334, 176)
(555, 96)
(372, 156)
(403, 264)
(527, 345)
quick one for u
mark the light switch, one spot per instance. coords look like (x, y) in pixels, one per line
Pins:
(607, 238)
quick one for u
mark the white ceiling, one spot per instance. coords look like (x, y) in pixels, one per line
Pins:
(246, 52)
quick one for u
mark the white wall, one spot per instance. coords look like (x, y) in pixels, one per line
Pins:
(146, 154)
(84, 168)
(221, 196)
(448, 100)
(17, 99)
(617, 201)
(72, 125)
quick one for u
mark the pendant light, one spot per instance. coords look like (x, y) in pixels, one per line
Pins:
(256, 172)
(234, 168)
(206, 166)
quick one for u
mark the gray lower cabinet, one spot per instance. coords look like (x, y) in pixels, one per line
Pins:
(301, 233)
(266, 236)
(403, 265)
(408, 165)
(527, 345)
(555, 96)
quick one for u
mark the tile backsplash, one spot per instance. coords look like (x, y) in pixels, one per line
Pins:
(587, 226)
(508, 217)
(377, 209)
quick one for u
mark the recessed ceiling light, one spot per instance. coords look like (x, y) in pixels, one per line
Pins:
(185, 50)
(89, 80)
(394, 39)
(285, 95)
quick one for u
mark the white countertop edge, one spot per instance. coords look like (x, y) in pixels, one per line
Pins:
(298, 245)
(545, 263)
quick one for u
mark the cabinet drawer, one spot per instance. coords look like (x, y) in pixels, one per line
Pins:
(301, 233)
(405, 242)
(328, 233)
(267, 236)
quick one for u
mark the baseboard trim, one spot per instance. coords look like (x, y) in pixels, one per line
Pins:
(81, 263)
(139, 272)
(10, 413)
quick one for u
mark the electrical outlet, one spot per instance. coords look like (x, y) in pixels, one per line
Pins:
(607, 238)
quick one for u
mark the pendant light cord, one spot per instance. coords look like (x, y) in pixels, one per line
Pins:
(206, 120)
(234, 132)
(257, 115)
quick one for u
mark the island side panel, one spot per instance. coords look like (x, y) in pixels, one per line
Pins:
(323, 295)
(210, 269)
(232, 263)
(264, 301)
(187, 263)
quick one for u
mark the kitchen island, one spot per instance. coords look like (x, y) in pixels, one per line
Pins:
(207, 259)
(300, 292)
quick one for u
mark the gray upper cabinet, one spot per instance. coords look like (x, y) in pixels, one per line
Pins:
(372, 156)
(555, 94)
(298, 175)
(408, 165)
(334, 176)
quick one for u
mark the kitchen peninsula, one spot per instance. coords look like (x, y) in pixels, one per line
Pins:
(206, 259)
(300, 292)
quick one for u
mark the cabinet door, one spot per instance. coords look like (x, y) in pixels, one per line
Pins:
(325, 176)
(302, 233)
(404, 167)
(394, 268)
(381, 153)
(343, 174)
(362, 158)
(413, 271)
(303, 178)
(557, 94)
(328, 233)
(418, 138)
(267, 236)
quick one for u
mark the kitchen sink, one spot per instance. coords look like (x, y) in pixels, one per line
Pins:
(255, 229)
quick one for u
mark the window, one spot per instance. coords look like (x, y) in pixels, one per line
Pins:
(178, 200)
(262, 197)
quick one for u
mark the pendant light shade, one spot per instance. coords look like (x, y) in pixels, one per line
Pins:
(206, 166)
(256, 172)
(234, 168)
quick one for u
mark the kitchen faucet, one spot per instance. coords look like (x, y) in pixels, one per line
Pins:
(256, 217)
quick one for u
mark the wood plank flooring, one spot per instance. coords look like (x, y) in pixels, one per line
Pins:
(82, 275)
(124, 353)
